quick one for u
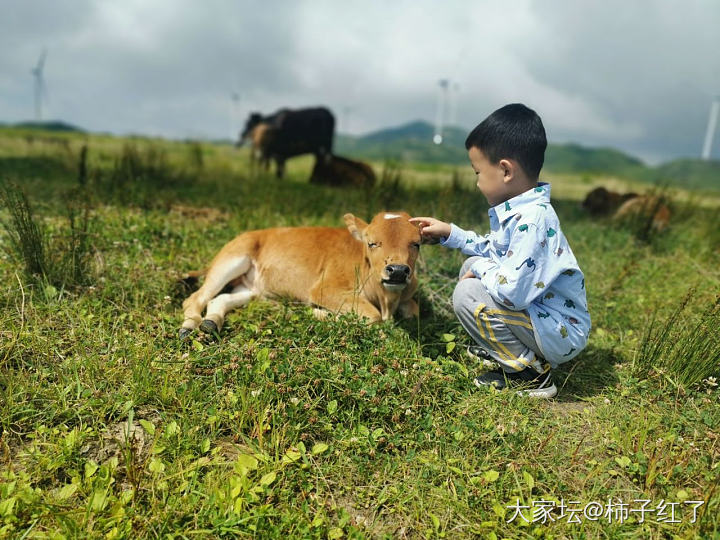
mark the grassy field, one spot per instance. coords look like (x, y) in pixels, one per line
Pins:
(293, 427)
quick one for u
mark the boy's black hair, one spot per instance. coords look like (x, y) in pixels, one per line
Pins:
(512, 132)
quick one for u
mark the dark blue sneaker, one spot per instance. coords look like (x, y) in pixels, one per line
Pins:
(527, 382)
(477, 353)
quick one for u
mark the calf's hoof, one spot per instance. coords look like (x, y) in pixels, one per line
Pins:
(209, 327)
(184, 332)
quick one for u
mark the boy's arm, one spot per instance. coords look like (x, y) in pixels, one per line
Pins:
(528, 268)
(468, 242)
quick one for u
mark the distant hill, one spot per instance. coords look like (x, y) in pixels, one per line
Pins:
(413, 143)
(409, 142)
(689, 173)
(51, 125)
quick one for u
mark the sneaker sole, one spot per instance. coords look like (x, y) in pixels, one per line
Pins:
(539, 393)
(543, 393)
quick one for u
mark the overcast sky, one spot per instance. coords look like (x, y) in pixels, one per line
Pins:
(636, 75)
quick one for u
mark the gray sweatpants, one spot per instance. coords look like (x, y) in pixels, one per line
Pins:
(506, 334)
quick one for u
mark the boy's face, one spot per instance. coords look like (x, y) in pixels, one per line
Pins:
(491, 178)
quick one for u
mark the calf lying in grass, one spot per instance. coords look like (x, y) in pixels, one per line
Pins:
(651, 209)
(364, 268)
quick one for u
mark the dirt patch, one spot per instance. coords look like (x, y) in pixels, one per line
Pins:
(129, 442)
(568, 408)
(201, 213)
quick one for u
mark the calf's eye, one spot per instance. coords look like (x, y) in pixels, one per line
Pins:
(372, 244)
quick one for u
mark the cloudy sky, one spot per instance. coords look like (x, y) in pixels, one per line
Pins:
(638, 76)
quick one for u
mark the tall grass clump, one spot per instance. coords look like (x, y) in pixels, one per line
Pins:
(390, 190)
(195, 156)
(27, 240)
(688, 350)
(61, 260)
(76, 249)
(137, 174)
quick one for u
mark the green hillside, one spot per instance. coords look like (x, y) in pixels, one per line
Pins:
(50, 125)
(690, 173)
(413, 143)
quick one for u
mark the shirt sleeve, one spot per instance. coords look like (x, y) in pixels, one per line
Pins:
(527, 270)
(468, 242)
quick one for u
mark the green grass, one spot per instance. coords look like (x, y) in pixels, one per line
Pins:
(294, 427)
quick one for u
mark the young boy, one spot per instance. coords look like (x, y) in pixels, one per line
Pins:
(521, 294)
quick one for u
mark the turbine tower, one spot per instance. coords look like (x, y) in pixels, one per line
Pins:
(37, 73)
(234, 114)
(712, 124)
(453, 104)
(440, 114)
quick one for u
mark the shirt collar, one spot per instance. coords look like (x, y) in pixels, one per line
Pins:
(507, 209)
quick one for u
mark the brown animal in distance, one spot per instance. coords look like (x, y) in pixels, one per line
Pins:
(261, 139)
(602, 202)
(650, 209)
(364, 268)
(341, 171)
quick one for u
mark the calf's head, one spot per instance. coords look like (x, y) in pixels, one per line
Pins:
(391, 245)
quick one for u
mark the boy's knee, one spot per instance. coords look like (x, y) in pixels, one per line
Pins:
(466, 266)
(465, 297)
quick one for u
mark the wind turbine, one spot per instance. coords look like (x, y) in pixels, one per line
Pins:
(453, 104)
(37, 73)
(346, 112)
(712, 124)
(440, 114)
(234, 114)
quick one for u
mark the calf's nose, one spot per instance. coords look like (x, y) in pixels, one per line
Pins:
(397, 272)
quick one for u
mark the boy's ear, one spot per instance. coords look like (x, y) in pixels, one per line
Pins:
(508, 168)
(355, 225)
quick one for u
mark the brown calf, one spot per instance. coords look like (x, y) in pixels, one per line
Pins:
(261, 139)
(365, 268)
(648, 208)
(341, 171)
(602, 202)
(623, 206)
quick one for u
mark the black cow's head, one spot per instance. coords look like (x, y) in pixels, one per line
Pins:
(253, 120)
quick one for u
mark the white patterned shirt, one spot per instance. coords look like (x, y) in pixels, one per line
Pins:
(528, 265)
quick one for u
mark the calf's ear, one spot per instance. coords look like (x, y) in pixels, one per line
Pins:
(355, 225)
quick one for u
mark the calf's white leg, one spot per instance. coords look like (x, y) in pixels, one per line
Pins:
(222, 304)
(221, 273)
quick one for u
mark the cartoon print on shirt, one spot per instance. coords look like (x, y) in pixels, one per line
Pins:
(500, 249)
(530, 264)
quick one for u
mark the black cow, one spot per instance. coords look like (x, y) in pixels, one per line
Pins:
(288, 133)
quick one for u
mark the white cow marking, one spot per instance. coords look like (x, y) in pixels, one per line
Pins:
(391, 216)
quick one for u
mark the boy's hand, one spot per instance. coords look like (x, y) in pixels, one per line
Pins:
(431, 228)
(468, 274)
